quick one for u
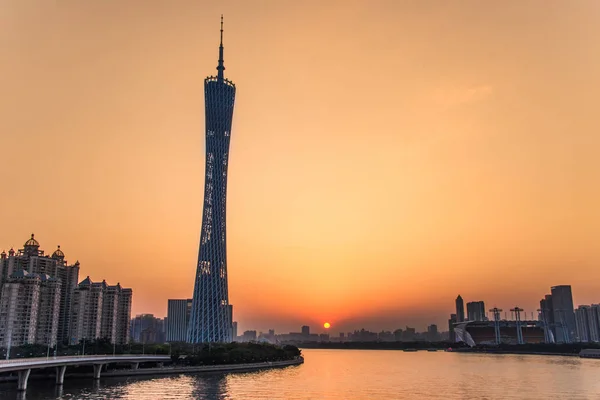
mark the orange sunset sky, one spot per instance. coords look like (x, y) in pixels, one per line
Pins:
(386, 155)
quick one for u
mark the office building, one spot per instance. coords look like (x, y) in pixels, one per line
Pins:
(305, 330)
(210, 319)
(476, 311)
(178, 315)
(460, 309)
(564, 316)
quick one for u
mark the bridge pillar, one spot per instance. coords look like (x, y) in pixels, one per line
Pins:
(60, 374)
(23, 377)
(135, 365)
(97, 370)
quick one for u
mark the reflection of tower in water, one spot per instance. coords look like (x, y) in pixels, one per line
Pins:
(209, 387)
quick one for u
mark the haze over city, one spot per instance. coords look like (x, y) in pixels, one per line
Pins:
(385, 155)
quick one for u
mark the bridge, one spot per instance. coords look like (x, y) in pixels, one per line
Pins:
(23, 366)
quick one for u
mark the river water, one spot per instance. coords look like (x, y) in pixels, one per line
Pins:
(356, 374)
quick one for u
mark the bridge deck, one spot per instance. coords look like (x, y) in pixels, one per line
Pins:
(47, 362)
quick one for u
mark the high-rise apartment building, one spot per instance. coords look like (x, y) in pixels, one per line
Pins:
(56, 283)
(86, 316)
(564, 316)
(48, 310)
(32, 259)
(100, 311)
(178, 317)
(110, 309)
(476, 311)
(210, 319)
(460, 309)
(19, 306)
(124, 315)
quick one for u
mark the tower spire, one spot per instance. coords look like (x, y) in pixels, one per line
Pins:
(221, 67)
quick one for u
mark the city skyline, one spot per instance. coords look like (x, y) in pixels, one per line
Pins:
(469, 168)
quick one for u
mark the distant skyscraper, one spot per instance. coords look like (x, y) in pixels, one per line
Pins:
(564, 316)
(476, 311)
(210, 319)
(594, 321)
(432, 333)
(178, 315)
(460, 309)
(306, 330)
(547, 311)
(451, 322)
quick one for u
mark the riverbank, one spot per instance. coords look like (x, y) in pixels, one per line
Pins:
(169, 370)
(200, 369)
(515, 352)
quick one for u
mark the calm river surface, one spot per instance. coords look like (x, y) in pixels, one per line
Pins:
(356, 374)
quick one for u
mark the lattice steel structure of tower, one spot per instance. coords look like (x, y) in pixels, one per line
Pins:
(210, 318)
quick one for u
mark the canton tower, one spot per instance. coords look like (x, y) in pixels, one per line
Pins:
(210, 318)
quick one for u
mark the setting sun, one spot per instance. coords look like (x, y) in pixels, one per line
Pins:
(326, 325)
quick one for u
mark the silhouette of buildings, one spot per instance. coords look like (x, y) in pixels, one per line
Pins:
(476, 311)
(451, 322)
(564, 316)
(460, 309)
(547, 317)
(211, 319)
(432, 333)
(588, 323)
(146, 328)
